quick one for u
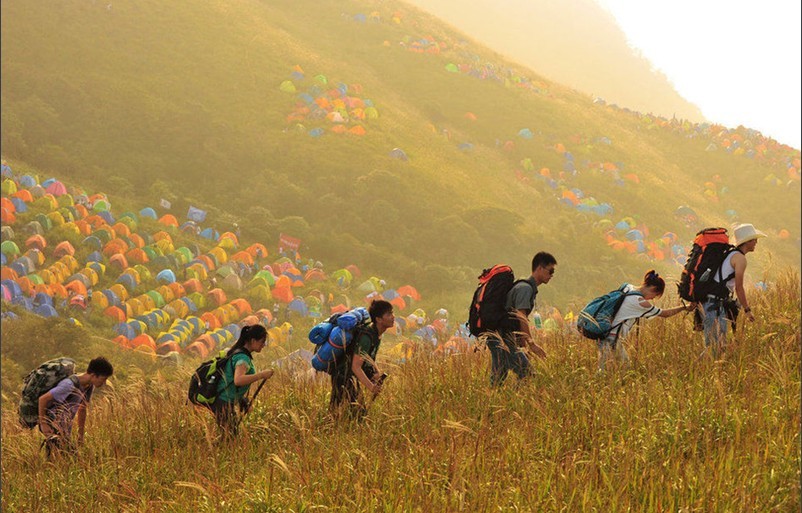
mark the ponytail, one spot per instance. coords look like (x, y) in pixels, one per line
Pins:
(652, 279)
(247, 333)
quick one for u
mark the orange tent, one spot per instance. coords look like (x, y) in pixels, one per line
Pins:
(177, 289)
(115, 313)
(168, 347)
(143, 339)
(77, 287)
(119, 261)
(137, 255)
(122, 229)
(242, 256)
(7, 273)
(123, 341)
(283, 294)
(257, 250)
(36, 241)
(63, 248)
(162, 235)
(217, 295)
(242, 306)
(193, 285)
(168, 220)
(24, 195)
(357, 130)
(58, 290)
(84, 227)
(198, 348)
(210, 319)
(138, 241)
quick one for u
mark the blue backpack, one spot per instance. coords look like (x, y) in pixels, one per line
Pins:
(596, 319)
(334, 336)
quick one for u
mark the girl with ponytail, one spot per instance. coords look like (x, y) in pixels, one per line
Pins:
(637, 304)
(238, 375)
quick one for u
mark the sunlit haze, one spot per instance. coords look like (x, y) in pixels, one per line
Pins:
(739, 62)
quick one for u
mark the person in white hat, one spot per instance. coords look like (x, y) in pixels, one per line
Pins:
(717, 310)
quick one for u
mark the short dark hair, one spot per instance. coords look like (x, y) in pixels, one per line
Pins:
(100, 367)
(378, 308)
(543, 259)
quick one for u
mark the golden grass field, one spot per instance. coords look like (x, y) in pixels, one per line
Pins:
(676, 432)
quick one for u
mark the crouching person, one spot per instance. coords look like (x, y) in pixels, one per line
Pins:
(69, 399)
(359, 366)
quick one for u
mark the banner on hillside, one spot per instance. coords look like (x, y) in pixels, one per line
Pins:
(165, 204)
(287, 242)
(196, 214)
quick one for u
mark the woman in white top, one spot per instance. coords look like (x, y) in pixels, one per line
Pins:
(636, 305)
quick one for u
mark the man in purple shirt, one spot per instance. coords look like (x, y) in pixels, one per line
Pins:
(59, 407)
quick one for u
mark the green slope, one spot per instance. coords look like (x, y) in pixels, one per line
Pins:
(154, 100)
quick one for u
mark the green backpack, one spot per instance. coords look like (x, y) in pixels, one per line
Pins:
(40, 381)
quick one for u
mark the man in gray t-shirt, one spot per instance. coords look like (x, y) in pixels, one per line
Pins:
(517, 335)
(59, 406)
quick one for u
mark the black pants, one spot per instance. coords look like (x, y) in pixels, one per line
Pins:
(346, 394)
(225, 414)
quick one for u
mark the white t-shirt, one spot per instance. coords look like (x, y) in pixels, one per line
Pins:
(726, 270)
(630, 311)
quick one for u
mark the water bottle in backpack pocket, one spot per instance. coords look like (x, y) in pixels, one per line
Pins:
(40, 381)
(595, 321)
(206, 379)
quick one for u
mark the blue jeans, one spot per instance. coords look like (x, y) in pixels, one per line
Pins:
(504, 357)
(715, 325)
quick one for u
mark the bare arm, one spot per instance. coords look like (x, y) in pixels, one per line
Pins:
(524, 335)
(356, 368)
(45, 400)
(241, 379)
(739, 264)
(81, 421)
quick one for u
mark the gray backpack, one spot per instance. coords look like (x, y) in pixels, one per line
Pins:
(40, 381)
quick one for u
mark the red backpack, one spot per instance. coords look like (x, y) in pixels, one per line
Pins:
(710, 247)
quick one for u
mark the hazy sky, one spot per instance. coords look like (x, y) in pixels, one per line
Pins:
(738, 61)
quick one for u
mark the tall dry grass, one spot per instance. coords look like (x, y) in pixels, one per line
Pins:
(676, 432)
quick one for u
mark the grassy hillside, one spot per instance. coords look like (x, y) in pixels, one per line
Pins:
(676, 432)
(155, 100)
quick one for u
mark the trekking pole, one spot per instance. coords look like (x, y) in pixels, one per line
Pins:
(250, 402)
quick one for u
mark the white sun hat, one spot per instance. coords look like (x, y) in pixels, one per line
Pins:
(745, 233)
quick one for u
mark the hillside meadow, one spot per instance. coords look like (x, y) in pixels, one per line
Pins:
(675, 432)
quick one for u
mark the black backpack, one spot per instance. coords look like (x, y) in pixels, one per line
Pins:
(207, 377)
(488, 310)
(710, 248)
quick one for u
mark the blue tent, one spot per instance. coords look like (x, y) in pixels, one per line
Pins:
(298, 305)
(111, 297)
(190, 304)
(466, 146)
(634, 235)
(106, 215)
(23, 301)
(47, 183)
(45, 311)
(27, 181)
(233, 329)
(6, 172)
(210, 233)
(93, 242)
(568, 156)
(13, 288)
(525, 133)
(94, 256)
(316, 132)
(165, 276)
(128, 282)
(42, 299)
(96, 266)
(19, 205)
(20, 268)
(126, 330)
(148, 212)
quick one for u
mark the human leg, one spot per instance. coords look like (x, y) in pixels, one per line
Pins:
(225, 415)
(715, 327)
(499, 355)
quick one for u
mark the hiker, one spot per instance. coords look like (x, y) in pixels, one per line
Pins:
(719, 308)
(507, 349)
(635, 305)
(238, 375)
(359, 367)
(69, 398)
